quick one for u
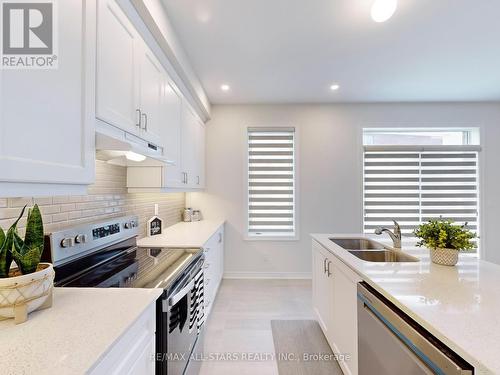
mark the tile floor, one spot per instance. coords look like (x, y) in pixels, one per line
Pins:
(240, 324)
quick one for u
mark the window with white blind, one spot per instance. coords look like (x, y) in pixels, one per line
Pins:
(271, 183)
(415, 183)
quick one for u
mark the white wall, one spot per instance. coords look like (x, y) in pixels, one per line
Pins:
(330, 169)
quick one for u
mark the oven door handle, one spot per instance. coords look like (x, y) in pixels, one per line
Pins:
(178, 296)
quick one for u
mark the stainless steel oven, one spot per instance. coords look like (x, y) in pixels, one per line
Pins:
(105, 255)
(182, 315)
(391, 343)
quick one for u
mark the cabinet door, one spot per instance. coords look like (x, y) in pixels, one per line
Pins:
(117, 51)
(47, 116)
(344, 333)
(189, 134)
(151, 86)
(171, 133)
(200, 154)
(323, 292)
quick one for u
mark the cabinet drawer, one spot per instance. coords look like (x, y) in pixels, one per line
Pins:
(217, 239)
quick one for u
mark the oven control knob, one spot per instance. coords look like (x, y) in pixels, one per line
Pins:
(128, 225)
(81, 238)
(67, 242)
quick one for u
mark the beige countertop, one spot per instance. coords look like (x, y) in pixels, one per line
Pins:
(74, 334)
(190, 235)
(460, 305)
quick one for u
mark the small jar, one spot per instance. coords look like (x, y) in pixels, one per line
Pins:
(196, 216)
(187, 215)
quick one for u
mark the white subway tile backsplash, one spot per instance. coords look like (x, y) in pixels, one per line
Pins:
(9, 213)
(106, 198)
(67, 207)
(43, 201)
(74, 215)
(60, 217)
(20, 202)
(54, 209)
(60, 199)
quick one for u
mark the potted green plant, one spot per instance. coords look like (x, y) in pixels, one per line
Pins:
(445, 240)
(28, 286)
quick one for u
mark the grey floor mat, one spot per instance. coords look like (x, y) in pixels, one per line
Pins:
(298, 344)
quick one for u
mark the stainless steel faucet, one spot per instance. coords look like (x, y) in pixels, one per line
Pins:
(395, 236)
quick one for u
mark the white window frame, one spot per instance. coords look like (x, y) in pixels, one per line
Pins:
(473, 140)
(296, 235)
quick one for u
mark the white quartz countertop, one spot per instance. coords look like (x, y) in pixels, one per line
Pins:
(183, 235)
(74, 334)
(459, 305)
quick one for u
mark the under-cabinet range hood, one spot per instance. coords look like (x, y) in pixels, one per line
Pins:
(116, 146)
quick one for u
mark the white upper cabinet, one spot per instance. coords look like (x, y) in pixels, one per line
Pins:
(200, 157)
(117, 83)
(47, 116)
(151, 85)
(184, 135)
(189, 142)
(130, 79)
(171, 118)
(193, 149)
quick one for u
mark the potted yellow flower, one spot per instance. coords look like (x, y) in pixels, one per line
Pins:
(445, 240)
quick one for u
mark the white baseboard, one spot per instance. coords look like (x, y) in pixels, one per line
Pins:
(268, 275)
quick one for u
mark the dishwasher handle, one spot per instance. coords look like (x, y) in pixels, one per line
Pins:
(427, 348)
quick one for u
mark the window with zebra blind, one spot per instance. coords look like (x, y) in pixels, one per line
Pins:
(271, 183)
(413, 183)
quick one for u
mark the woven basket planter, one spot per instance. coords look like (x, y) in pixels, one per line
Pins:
(445, 257)
(22, 294)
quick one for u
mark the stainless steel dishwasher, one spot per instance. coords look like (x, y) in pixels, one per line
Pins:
(391, 343)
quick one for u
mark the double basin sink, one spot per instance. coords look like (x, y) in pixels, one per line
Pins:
(372, 251)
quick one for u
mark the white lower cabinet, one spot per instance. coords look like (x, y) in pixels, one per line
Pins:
(214, 267)
(134, 352)
(322, 288)
(335, 304)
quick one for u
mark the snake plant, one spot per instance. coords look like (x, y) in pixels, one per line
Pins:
(5, 253)
(26, 253)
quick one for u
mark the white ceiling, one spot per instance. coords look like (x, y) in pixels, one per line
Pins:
(277, 51)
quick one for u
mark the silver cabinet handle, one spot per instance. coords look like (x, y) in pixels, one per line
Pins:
(140, 118)
(145, 121)
(220, 237)
(198, 181)
(328, 269)
(186, 178)
(324, 265)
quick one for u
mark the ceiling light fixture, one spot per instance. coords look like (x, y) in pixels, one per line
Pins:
(225, 87)
(382, 10)
(334, 87)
